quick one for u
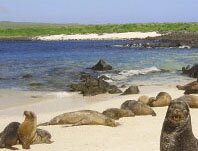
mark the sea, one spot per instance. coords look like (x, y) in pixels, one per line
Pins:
(54, 65)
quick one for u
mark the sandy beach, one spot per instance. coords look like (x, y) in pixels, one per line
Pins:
(134, 133)
(105, 36)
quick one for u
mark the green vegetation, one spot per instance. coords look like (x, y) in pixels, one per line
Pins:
(33, 29)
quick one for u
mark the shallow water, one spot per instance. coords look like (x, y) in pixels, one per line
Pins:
(56, 64)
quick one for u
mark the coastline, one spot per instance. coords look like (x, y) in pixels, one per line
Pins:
(131, 132)
(104, 36)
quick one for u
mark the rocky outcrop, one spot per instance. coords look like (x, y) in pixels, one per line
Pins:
(101, 66)
(90, 86)
(131, 90)
(170, 40)
(191, 71)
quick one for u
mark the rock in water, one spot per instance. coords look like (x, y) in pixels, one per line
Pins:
(131, 90)
(176, 134)
(90, 86)
(102, 66)
(191, 71)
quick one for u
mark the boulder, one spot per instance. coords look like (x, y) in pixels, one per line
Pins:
(103, 77)
(131, 90)
(90, 86)
(191, 71)
(114, 89)
(101, 66)
(27, 76)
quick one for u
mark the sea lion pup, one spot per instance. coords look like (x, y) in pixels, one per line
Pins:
(191, 100)
(82, 117)
(176, 134)
(9, 137)
(144, 99)
(138, 108)
(29, 134)
(116, 113)
(162, 99)
(42, 136)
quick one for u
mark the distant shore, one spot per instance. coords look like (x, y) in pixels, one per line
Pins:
(105, 36)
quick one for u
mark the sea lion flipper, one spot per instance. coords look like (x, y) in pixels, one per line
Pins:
(49, 142)
(43, 124)
(12, 148)
(81, 122)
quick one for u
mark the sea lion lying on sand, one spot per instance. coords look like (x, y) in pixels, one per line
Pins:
(9, 136)
(176, 134)
(116, 113)
(162, 99)
(144, 99)
(190, 88)
(29, 134)
(138, 108)
(82, 117)
(191, 100)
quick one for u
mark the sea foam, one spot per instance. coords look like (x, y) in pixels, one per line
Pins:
(127, 73)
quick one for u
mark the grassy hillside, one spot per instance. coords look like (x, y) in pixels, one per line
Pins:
(33, 29)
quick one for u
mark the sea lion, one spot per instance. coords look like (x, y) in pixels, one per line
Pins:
(162, 99)
(116, 113)
(9, 136)
(190, 88)
(151, 99)
(82, 117)
(145, 99)
(29, 134)
(42, 136)
(191, 100)
(138, 108)
(27, 130)
(176, 134)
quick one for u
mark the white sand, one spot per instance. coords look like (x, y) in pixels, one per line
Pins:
(140, 133)
(105, 36)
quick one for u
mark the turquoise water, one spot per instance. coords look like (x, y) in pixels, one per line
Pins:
(56, 64)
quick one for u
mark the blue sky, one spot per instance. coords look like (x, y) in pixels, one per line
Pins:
(99, 11)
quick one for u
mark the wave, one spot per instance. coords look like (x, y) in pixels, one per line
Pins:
(127, 73)
(62, 94)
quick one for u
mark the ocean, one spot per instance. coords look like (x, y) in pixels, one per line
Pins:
(54, 65)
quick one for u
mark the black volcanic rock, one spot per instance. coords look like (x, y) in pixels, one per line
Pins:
(191, 71)
(27, 76)
(101, 66)
(90, 86)
(131, 90)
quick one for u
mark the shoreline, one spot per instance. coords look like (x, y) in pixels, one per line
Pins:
(92, 36)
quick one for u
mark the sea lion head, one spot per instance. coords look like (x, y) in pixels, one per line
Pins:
(110, 122)
(178, 112)
(29, 115)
